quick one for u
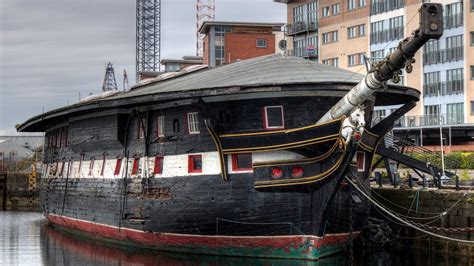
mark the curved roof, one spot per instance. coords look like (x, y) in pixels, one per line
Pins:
(266, 71)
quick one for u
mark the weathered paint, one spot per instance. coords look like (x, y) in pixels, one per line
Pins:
(286, 246)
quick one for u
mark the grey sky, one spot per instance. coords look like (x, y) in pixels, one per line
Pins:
(52, 50)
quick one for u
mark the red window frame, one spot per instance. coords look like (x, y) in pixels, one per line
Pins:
(188, 122)
(265, 118)
(360, 159)
(118, 165)
(235, 164)
(104, 160)
(136, 162)
(191, 166)
(158, 167)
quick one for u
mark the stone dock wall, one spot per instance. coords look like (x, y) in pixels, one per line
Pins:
(19, 192)
(428, 206)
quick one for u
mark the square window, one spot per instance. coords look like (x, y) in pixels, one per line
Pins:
(136, 162)
(471, 34)
(472, 107)
(158, 167)
(472, 72)
(273, 117)
(325, 11)
(118, 165)
(242, 162)
(360, 157)
(160, 126)
(193, 123)
(261, 43)
(194, 164)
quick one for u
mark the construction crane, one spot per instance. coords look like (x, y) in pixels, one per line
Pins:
(205, 11)
(148, 33)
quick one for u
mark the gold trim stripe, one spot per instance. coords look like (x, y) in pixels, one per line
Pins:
(283, 146)
(366, 147)
(305, 180)
(278, 131)
(301, 161)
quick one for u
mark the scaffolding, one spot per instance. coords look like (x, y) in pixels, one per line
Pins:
(205, 11)
(109, 79)
(148, 33)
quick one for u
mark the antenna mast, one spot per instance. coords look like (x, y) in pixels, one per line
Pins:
(148, 35)
(109, 80)
(205, 11)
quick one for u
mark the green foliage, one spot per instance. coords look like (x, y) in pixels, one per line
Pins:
(464, 175)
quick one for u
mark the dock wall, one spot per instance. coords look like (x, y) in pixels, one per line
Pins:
(19, 192)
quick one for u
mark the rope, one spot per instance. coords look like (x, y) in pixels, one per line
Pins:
(407, 223)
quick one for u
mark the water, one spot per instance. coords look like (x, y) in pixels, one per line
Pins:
(27, 239)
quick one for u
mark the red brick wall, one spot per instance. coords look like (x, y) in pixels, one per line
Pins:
(244, 46)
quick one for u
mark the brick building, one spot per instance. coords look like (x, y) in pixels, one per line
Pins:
(227, 42)
(344, 32)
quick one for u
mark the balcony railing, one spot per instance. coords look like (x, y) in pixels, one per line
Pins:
(380, 7)
(445, 88)
(301, 26)
(386, 35)
(425, 120)
(453, 21)
(307, 52)
(443, 55)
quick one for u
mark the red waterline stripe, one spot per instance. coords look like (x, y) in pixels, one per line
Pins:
(165, 240)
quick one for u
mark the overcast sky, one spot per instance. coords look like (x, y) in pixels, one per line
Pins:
(52, 50)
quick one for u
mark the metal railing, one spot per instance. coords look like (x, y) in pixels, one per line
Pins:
(386, 35)
(425, 120)
(389, 5)
(453, 21)
(303, 52)
(444, 88)
(300, 26)
(443, 55)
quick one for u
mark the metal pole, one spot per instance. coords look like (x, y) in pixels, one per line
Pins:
(441, 139)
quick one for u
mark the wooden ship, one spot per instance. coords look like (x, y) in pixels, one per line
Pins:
(247, 159)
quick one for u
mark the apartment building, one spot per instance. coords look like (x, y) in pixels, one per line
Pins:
(226, 42)
(343, 33)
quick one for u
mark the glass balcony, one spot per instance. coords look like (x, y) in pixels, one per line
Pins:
(443, 55)
(301, 26)
(445, 88)
(378, 7)
(306, 52)
(425, 120)
(386, 35)
(453, 21)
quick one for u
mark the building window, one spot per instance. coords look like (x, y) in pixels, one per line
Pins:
(298, 14)
(194, 164)
(472, 72)
(453, 15)
(377, 55)
(351, 4)
(273, 117)
(356, 59)
(362, 3)
(242, 162)
(118, 165)
(472, 5)
(313, 14)
(335, 9)
(454, 81)
(158, 167)
(135, 164)
(395, 28)
(104, 161)
(331, 62)
(219, 44)
(472, 107)
(362, 30)
(329, 37)
(160, 126)
(175, 125)
(431, 84)
(261, 43)
(355, 31)
(325, 12)
(455, 113)
(193, 123)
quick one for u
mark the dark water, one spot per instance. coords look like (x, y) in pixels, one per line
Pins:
(26, 239)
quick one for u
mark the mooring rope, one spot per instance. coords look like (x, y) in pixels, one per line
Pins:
(414, 226)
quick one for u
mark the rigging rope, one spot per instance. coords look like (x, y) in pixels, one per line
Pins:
(407, 223)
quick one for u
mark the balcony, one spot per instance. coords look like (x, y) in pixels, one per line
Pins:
(453, 21)
(445, 88)
(306, 52)
(386, 35)
(301, 26)
(443, 55)
(380, 7)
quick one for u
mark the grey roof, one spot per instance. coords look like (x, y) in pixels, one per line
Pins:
(265, 71)
(275, 69)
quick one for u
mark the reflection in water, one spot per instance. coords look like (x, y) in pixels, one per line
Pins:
(26, 239)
